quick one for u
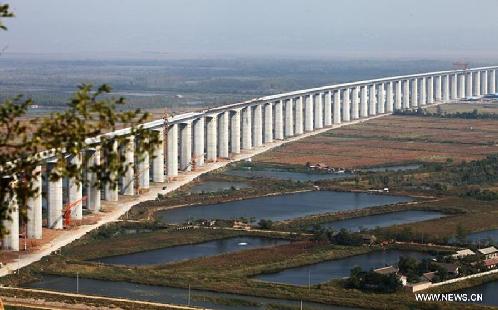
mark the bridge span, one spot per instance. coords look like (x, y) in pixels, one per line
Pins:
(199, 142)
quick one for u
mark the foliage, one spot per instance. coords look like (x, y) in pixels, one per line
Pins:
(265, 224)
(475, 114)
(373, 281)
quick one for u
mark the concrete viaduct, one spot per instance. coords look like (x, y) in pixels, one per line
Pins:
(195, 139)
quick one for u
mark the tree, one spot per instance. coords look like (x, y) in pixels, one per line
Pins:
(461, 234)
(62, 135)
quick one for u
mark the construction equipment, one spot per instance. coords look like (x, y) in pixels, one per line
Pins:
(68, 208)
(460, 65)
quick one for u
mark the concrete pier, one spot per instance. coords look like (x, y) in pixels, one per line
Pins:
(128, 180)
(346, 105)
(172, 155)
(211, 137)
(143, 169)
(372, 101)
(268, 137)
(446, 88)
(381, 104)
(92, 178)
(327, 109)
(235, 132)
(257, 132)
(75, 190)
(468, 84)
(223, 135)
(279, 121)
(484, 82)
(355, 109)
(198, 156)
(111, 191)
(492, 81)
(158, 158)
(439, 88)
(406, 94)
(298, 126)
(54, 200)
(289, 118)
(337, 107)
(308, 113)
(414, 94)
(34, 211)
(186, 146)
(454, 86)
(430, 90)
(247, 128)
(389, 97)
(10, 240)
(398, 97)
(477, 83)
(422, 92)
(461, 87)
(364, 102)
(318, 111)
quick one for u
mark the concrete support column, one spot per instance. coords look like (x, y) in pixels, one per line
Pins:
(289, 118)
(406, 94)
(223, 145)
(54, 200)
(158, 158)
(468, 84)
(484, 82)
(477, 83)
(446, 88)
(318, 110)
(308, 113)
(461, 86)
(327, 111)
(492, 81)
(299, 116)
(346, 105)
(363, 102)
(172, 151)
(92, 178)
(128, 183)
(354, 103)
(257, 128)
(75, 190)
(454, 86)
(186, 146)
(34, 212)
(199, 142)
(269, 122)
(143, 169)
(337, 107)
(279, 121)
(235, 132)
(10, 240)
(372, 101)
(389, 99)
(247, 128)
(414, 94)
(439, 88)
(430, 90)
(211, 136)
(111, 192)
(423, 92)
(381, 102)
(398, 98)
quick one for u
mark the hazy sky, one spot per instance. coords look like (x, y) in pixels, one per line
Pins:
(324, 28)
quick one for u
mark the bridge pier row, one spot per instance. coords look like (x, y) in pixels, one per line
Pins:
(92, 179)
(477, 83)
(318, 111)
(381, 99)
(128, 179)
(484, 82)
(346, 105)
(298, 124)
(446, 88)
(34, 204)
(186, 146)
(75, 190)
(158, 158)
(355, 111)
(172, 155)
(10, 240)
(461, 86)
(211, 137)
(308, 113)
(111, 191)
(430, 90)
(492, 81)
(246, 128)
(54, 199)
(257, 127)
(337, 107)
(143, 169)
(289, 118)
(327, 109)
(199, 127)
(268, 127)
(235, 131)
(223, 135)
